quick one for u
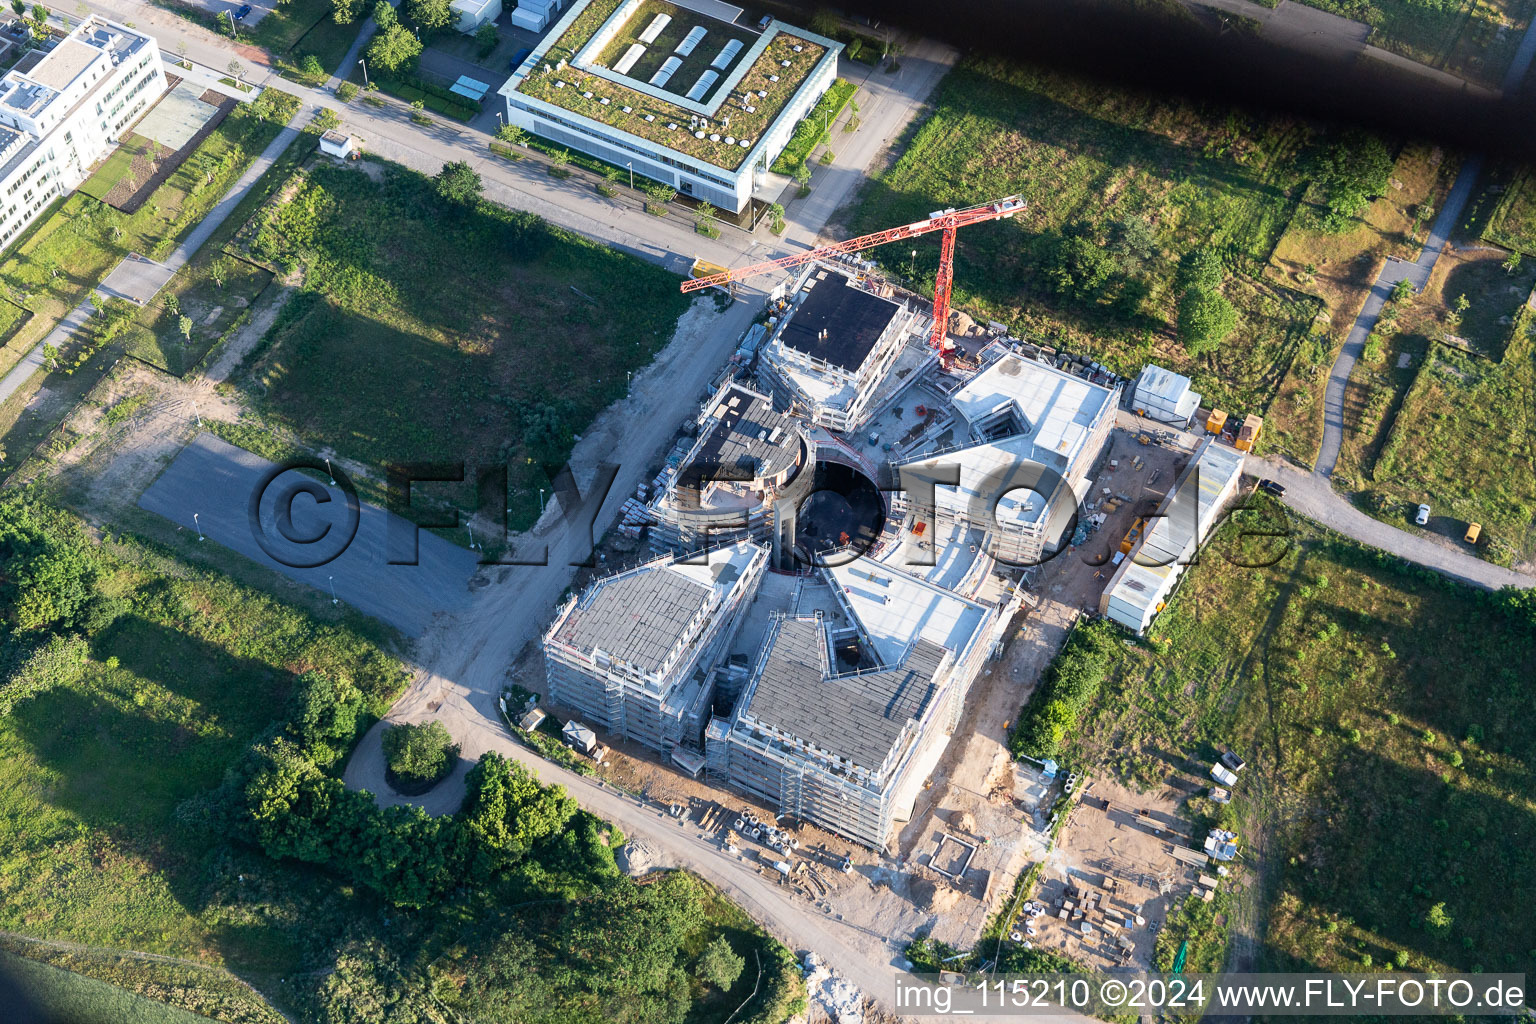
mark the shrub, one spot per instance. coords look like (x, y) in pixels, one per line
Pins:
(1070, 685)
(418, 757)
(346, 91)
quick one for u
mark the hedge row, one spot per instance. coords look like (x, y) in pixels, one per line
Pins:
(1069, 686)
(813, 129)
(433, 97)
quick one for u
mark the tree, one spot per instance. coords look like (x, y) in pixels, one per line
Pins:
(1134, 240)
(429, 15)
(776, 218)
(310, 65)
(1402, 291)
(235, 69)
(823, 22)
(1201, 268)
(705, 214)
(418, 755)
(184, 324)
(1351, 173)
(385, 16)
(458, 183)
(20, 7)
(39, 23)
(660, 194)
(719, 965)
(218, 271)
(393, 48)
(1206, 318)
(1512, 264)
(506, 811)
(1081, 267)
(487, 37)
(344, 12)
(512, 135)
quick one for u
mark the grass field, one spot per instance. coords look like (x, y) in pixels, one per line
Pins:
(132, 680)
(118, 163)
(61, 995)
(181, 669)
(1513, 221)
(1099, 162)
(1384, 713)
(290, 31)
(386, 357)
(1463, 438)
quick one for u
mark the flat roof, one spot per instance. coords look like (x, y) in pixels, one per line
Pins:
(995, 482)
(756, 87)
(1189, 513)
(640, 616)
(858, 716)
(741, 431)
(837, 321)
(896, 609)
(1057, 409)
(64, 64)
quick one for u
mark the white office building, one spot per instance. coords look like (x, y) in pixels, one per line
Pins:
(688, 96)
(64, 109)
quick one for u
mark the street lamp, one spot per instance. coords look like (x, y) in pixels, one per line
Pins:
(232, 29)
(197, 526)
(629, 380)
(332, 581)
(541, 501)
(631, 165)
(472, 545)
(330, 472)
(364, 65)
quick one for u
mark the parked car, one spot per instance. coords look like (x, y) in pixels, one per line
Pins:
(1474, 531)
(242, 12)
(1423, 517)
(517, 58)
(1270, 487)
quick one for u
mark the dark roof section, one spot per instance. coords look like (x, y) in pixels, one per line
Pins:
(744, 439)
(852, 318)
(854, 716)
(637, 617)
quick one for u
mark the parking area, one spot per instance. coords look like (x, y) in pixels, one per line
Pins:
(289, 521)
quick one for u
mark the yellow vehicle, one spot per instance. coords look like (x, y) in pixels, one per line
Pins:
(1473, 533)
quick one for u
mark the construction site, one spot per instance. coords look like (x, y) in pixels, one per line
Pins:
(850, 571)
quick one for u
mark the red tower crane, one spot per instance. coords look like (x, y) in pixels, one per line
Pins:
(945, 221)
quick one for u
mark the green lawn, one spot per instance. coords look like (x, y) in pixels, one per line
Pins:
(425, 333)
(1100, 164)
(181, 670)
(118, 163)
(290, 32)
(1384, 712)
(135, 689)
(66, 996)
(1513, 223)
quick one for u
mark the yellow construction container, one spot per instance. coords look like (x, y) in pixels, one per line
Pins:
(1248, 436)
(1217, 421)
(1473, 533)
(1131, 535)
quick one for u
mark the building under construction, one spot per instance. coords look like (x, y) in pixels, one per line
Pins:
(1035, 434)
(846, 709)
(634, 653)
(748, 458)
(833, 340)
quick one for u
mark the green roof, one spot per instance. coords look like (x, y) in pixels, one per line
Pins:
(543, 76)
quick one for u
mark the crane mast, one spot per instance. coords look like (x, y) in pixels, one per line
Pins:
(944, 221)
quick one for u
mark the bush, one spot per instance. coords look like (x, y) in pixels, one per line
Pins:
(1070, 685)
(418, 757)
(346, 91)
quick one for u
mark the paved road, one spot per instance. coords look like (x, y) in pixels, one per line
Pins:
(1311, 495)
(1330, 37)
(1416, 273)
